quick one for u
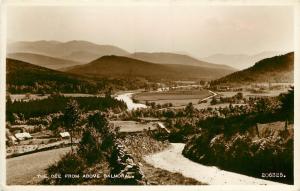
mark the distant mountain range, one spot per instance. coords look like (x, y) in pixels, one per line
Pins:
(89, 59)
(79, 51)
(240, 61)
(80, 66)
(274, 69)
(172, 58)
(43, 61)
(83, 52)
(120, 66)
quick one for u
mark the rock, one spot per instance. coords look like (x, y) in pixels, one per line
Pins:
(129, 161)
(128, 166)
(130, 174)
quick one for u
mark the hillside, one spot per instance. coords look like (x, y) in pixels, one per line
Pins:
(275, 69)
(66, 50)
(117, 66)
(240, 61)
(23, 77)
(42, 60)
(172, 58)
(84, 56)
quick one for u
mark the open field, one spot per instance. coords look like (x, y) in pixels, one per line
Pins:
(274, 129)
(28, 97)
(176, 97)
(24, 169)
(172, 95)
(177, 103)
(251, 94)
(133, 126)
(222, 105)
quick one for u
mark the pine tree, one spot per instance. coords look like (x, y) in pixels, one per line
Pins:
(287, 106)
(71, 118)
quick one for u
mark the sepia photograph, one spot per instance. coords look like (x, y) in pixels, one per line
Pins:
(149, 93)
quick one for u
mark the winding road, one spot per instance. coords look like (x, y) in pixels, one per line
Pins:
(172, 160)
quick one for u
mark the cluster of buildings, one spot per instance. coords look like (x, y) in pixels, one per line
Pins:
(254, 86)
(17, 134)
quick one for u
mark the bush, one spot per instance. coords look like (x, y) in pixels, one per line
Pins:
(242, 153)
(71, 163)
(89, 147)
(95, 145)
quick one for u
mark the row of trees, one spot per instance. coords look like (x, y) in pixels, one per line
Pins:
(92, 86)
(55, 104)
(238, 98)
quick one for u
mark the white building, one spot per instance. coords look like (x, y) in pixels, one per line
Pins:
(23, 136)
(65, 135)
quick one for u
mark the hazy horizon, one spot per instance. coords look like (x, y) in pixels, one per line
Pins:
(198, 31)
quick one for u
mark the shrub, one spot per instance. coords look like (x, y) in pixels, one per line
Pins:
(89, 147)
(71, 163)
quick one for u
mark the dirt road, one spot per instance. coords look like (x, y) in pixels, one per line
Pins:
(24, 169)
(172, 160)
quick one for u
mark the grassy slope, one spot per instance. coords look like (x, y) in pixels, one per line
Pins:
(275, 69)
(22, 73)
(24, 77)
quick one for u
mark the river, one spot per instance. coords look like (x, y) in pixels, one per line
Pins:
(127, 98)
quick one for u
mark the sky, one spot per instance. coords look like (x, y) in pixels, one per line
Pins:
(196, 30)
